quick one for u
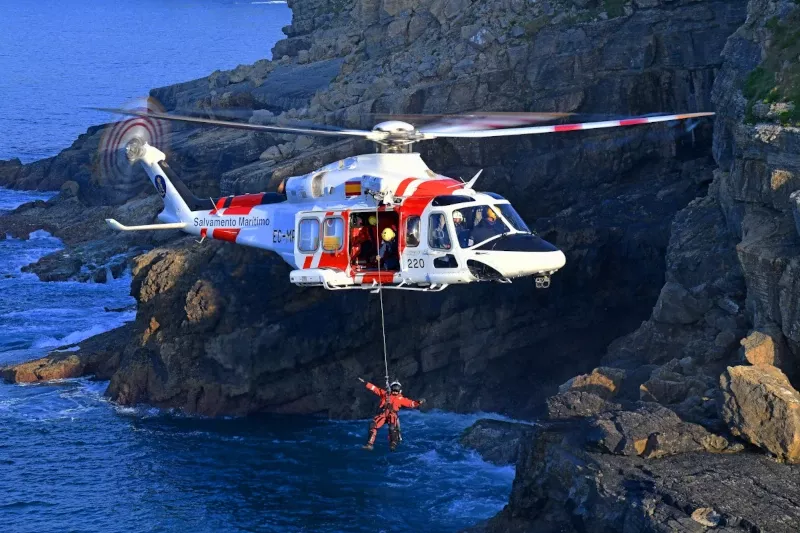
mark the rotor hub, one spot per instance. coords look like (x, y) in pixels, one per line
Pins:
(394, 127)
(134, 150)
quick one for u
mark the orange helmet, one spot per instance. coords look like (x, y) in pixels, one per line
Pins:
(490, 214)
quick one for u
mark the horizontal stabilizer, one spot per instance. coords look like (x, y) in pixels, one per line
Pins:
(147, 227)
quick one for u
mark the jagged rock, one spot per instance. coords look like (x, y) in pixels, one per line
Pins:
(603, 382)
(497, 441)
(762, 406)
(560, 486)
(762, 349)
(706, 516)
(576, 404)
(70, 188)
(651, 431)
(676, 305)
(97, 356)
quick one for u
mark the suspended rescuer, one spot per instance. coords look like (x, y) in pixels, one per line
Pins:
(392, 401)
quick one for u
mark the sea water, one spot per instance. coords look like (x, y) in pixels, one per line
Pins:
(58, 57)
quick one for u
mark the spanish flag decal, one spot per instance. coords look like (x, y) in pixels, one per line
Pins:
(352, 188)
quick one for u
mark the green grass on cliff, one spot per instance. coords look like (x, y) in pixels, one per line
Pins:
(777, 78)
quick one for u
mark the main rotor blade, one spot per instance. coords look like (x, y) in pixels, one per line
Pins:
(237, 125)
(562, 127)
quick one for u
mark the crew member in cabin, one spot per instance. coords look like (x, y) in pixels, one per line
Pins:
(462, 231)
(387, 254)
(392, 401)
(361, 245)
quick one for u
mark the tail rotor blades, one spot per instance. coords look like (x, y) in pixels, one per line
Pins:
(113, 162)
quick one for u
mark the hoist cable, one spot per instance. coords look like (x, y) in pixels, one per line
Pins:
(380, 295)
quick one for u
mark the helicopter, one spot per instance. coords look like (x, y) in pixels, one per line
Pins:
(329, 224)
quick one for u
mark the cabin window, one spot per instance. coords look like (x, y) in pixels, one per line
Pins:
(333, 234)
(438, 234)
(412, 231)
(308, 241)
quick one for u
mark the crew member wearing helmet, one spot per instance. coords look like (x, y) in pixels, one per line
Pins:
(387, 254)
(488, 227)
(391, 403)
(462, 232)
(361, 245)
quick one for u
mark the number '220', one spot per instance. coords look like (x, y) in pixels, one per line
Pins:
(416, 263)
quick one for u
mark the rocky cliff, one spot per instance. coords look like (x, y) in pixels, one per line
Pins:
(681, 249)
(214, 322)
(651, 440)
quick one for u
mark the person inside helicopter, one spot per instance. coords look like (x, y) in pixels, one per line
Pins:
(361, 245)
(387, 254)
(462, 231)
(440, 237)
(486, 224)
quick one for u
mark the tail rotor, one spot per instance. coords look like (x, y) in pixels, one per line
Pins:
(123, 141)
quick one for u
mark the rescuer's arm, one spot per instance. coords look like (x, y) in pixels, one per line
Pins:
(372, 388)
(408, 402)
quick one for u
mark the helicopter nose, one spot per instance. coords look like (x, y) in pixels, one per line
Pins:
(521, 255)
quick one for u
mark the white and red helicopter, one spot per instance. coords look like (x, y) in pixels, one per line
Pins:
(329, 224)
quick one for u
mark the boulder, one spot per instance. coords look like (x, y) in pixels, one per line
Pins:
(760, 405)
(762, 348)
(577, 404)
(603, 382)
(652, 431)
(498, 442)
(676, 305)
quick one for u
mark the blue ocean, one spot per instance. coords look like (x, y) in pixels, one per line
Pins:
(70, 460)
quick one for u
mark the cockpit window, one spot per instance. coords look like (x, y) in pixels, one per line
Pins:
(438, 235)
(477, 224)
(510, 214)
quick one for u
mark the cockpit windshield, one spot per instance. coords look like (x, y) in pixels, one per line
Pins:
(476, 224)
(511, 215)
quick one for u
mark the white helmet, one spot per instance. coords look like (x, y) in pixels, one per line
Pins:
(458, 217)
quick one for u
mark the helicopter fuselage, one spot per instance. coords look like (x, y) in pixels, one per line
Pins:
(329, 226)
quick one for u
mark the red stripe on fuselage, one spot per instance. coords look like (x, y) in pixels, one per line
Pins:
(240, 210)
(307, 262)
(219, 205)
(401, 189)
(383, 277)
(247, 200)
(225, 234)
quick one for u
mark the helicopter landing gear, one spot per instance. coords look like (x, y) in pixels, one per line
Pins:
(542, 282)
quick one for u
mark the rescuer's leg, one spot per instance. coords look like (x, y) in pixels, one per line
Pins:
(376, 423)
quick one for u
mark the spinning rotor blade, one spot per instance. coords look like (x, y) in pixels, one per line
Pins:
(113, 163)
(558, 128)
(237, 125)
(484, 121)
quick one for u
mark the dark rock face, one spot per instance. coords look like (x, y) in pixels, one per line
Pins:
(561, 486)
(497, 441)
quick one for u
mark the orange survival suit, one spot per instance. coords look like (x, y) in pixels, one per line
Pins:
(391, 403)
(360, 238)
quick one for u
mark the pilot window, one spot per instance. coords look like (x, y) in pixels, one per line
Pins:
(438, 234)
(475, 225)
(308, 239)
(333, 234)
(412, 231)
